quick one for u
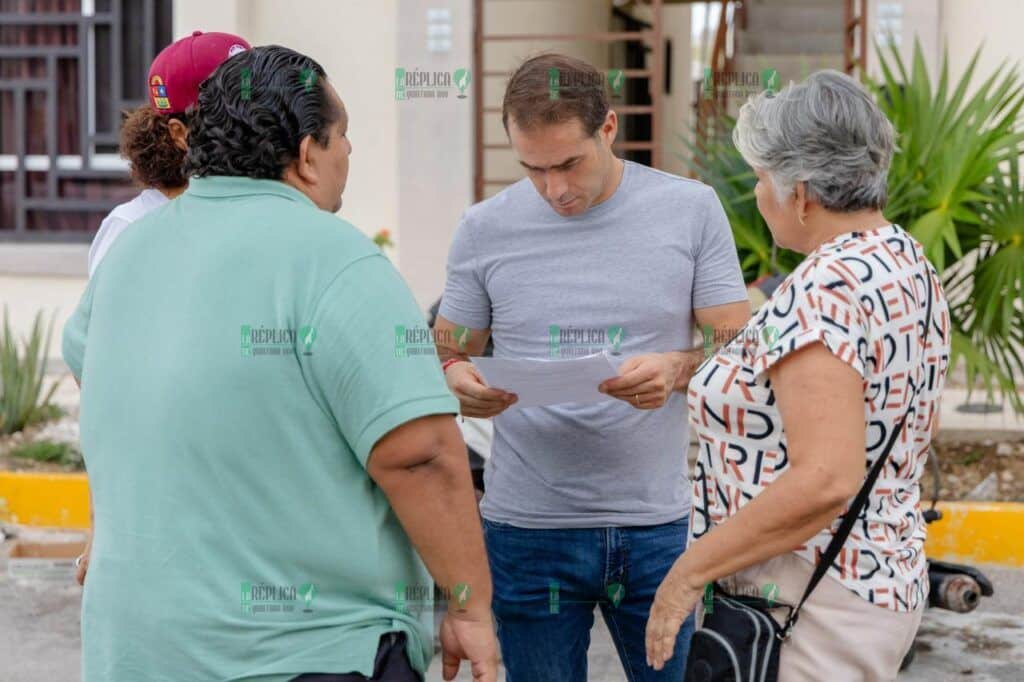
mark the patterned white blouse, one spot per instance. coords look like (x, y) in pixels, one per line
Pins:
(862, 295)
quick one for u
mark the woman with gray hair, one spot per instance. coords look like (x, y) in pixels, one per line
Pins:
(843, 360)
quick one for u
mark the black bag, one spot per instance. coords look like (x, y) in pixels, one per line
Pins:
(739, 640)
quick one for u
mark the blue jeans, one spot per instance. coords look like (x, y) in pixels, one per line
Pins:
(546, 583)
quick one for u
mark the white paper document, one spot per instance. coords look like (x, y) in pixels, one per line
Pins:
(549, 382)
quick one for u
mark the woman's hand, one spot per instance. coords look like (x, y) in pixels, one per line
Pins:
(674, 601)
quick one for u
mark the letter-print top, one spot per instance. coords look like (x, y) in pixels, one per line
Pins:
(862, 295)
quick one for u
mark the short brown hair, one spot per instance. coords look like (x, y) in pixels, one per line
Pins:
(531, 98)
(147, 144)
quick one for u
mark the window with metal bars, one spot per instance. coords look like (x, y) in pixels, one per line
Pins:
(68, 69)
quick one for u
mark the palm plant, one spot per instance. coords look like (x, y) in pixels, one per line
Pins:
(954, 184)
(716, 161)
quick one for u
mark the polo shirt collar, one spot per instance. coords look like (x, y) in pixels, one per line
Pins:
(223, 186)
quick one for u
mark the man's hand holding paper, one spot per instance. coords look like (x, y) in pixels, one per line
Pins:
(476, 398)
(645, 381)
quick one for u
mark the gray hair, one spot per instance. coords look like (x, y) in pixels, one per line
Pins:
(826, 132)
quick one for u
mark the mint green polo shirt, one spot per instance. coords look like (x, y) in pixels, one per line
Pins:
(237, 355)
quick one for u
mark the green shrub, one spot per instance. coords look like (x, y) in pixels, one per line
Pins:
(50, 451)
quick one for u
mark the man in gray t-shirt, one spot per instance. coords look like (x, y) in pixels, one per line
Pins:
(585, 503)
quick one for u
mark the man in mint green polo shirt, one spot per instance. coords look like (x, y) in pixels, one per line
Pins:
(261, 462)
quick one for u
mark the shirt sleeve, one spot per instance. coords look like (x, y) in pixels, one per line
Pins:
(76, 331)
(817, 304)
(349, 353)
(109, 230)
(718, 278)
(465, 301)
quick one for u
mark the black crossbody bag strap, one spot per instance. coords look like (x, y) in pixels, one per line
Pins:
(861, 500)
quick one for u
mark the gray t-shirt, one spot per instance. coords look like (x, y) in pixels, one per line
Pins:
(623, 276)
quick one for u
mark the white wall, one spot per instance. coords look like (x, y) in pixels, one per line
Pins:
(192, 15)
(677, 108)
(966, 24)
(961, 27)
(435, 147)
(921, 20)
(356, 43)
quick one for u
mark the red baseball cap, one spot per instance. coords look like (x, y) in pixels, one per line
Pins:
(178, 70)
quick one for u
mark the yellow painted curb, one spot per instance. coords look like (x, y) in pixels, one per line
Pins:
(32, 499)
(986, 532)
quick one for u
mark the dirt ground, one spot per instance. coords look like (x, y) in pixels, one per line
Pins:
(965, 463)
(64, 429)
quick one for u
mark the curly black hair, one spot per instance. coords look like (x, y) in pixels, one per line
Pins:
(254, 111)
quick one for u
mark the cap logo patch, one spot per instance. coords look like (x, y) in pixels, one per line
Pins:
(159, 92)
(235, 49)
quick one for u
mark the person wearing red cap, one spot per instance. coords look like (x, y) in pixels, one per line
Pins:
(154, 136)
(154, 139)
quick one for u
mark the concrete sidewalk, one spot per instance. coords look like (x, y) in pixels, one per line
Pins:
(40, 636)
(984, 646)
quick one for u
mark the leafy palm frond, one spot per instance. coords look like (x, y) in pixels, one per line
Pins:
(950, 146)
(718, 163)
(955, 185)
